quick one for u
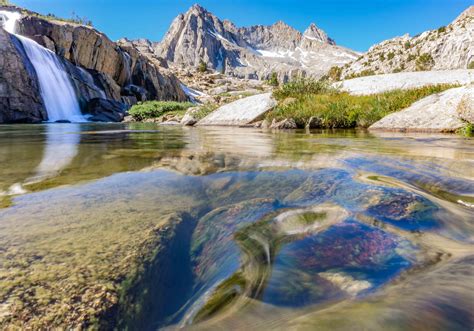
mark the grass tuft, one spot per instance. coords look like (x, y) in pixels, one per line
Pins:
(335, 109)
(154, 109)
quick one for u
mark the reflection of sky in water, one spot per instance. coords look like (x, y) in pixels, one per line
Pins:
(61, 146)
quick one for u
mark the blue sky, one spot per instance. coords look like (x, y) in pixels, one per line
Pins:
(356, 24)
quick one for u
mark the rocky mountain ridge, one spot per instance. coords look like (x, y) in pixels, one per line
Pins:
(254, 52)
(448, 47)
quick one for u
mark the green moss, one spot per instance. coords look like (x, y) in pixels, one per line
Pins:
(341, 110)
(153, 109)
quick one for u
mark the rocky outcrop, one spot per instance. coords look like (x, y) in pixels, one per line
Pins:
(249, 52)
(448, 47)
(105, 110)
(241, 112)
(404, 80)
(20, 100)
(92, 50)
(438, 113)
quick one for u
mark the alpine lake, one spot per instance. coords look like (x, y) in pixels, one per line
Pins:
(144, 227)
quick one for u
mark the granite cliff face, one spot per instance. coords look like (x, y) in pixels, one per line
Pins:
(119, 68)
(448, 47)
(97, 67)
(20, 100)
(254, 52)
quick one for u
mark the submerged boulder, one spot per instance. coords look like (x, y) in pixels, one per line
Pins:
(104, 110)
(435, 113)
(20, 100)
(241, 112)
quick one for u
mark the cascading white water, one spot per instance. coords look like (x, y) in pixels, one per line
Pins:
(56, 89)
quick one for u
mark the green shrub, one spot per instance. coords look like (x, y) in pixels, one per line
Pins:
(273, 80)
(442, 29)
(302, 86)
(424, 62)
(342, 110)
(363, 73)
(202, 67)
(335, 73)
(407, 44)
(153, 109)
(467, 131)
(470, 65)
(390, 55)
(382, 57)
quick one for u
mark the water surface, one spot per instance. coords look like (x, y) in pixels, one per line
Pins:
(226, 228)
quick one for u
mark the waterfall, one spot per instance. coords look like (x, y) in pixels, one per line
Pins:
(56, 89)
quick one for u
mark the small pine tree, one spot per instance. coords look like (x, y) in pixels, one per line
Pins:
(202, 66)
(273, 80)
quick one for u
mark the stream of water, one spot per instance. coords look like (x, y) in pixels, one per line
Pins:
(322, 230)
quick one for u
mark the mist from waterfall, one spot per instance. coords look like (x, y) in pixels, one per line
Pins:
(56, 89)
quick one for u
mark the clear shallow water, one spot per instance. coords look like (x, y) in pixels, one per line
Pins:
(335, 230)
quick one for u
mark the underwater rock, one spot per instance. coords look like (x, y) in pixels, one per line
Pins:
(346, 282)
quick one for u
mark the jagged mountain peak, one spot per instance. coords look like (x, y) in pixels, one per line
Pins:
(251, 52)
(315, 33)
(197, 8)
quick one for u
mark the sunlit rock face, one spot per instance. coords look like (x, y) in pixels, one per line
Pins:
(248, 52)
(448, 47)
(120, 67)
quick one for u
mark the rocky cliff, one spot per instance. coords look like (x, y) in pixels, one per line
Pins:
(448, 47)
(249, 52)
(20, 100)
(98, 67)
(92, 50)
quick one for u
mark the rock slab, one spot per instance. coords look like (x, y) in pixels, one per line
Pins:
(405, 80)
(241, 112)
(435, 113)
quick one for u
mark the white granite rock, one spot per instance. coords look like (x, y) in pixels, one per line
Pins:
(405, 80)
(435, 113)
(241, 112)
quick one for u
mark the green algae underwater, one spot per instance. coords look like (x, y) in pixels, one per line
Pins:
(145, 227)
